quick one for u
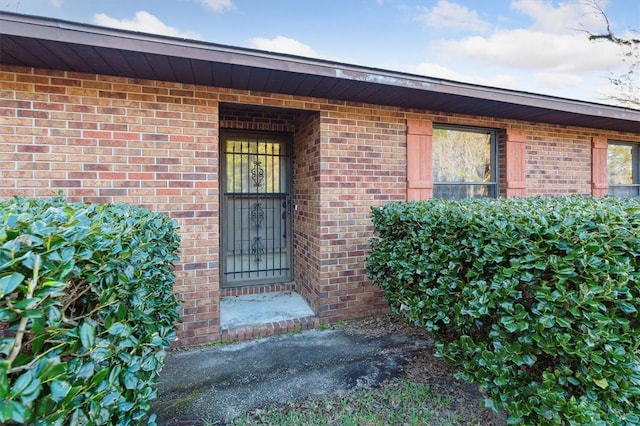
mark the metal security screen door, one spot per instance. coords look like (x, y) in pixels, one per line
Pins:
(256, 209)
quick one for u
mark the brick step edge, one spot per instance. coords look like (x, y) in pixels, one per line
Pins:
(249, 332)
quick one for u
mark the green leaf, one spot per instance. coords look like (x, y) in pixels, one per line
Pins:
(78, 418)
(597, 359)
(4, 384)
(562, 322)
(73, 392)
(573, 380)
(86, 370)
(51, 368)
(13, 410)
(117, 329)
(601, 383)
(10, 282)
(529, 359)
(87, 335)
(130, 380)
(547, 321)
(100, 376)
(514, 420)
(44, 408)
(32, 313)
(121, 312)
(627, 308)
(490, 403)
(26, 386)
(509, 323)
(114, 374)
(101, 354)
(59, 390)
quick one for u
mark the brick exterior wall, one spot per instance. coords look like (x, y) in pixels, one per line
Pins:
(155, 144)
(362, 163)
(306, 205)
(558, 162)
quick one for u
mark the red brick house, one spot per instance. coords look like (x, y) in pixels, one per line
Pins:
(269, 162)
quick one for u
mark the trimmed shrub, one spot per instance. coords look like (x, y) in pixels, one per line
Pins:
(534, 299)
(87, 311)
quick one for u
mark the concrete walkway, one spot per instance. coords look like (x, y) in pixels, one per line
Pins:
(215, 384)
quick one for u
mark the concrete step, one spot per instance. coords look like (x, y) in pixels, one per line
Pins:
(265, 314)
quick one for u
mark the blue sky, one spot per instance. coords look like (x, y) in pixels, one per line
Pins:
(538, 46)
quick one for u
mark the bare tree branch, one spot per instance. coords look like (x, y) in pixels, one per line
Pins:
(608, 35)
(628, 83)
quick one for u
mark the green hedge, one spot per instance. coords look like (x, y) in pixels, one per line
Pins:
(87, 311)
(534, 299)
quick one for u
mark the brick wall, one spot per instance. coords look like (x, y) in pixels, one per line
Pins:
(155, 144)
(306, 213)
(362, 163)
(558, 163)
(243, 117)
(108, 139)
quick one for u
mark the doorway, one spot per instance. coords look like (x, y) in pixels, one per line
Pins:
(256, 238)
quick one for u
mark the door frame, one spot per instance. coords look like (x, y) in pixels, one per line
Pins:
(287, 142)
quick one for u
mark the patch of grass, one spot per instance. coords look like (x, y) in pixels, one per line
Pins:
(296, 330)
(402, 403)
(218, 343)
(328, 325)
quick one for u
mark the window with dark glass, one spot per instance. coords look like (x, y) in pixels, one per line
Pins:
(464, 162)
(623, 164)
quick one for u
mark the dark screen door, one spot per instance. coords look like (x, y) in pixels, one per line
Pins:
(256, 203)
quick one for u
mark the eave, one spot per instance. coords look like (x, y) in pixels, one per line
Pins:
(47, 43)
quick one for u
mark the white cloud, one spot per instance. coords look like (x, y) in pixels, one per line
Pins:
(535, 50)
(604, 91)
(56, 3)
(451, 15)
(283, 45)
(218, 5)
(583, 86)
(501, 80)
(143, 22)
(558, 80)
(562, 19)
(551, 54)
(439, 71)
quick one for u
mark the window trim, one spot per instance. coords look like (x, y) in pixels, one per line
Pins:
(494, 184)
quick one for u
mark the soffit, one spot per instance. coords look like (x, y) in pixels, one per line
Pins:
(53, 44)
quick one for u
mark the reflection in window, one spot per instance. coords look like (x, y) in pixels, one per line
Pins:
(622, 168)
(253, 166)
(464, 164)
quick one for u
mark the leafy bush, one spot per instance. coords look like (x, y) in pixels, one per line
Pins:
(87, 311)
(534, 299)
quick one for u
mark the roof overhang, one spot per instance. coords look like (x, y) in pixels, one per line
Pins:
(61, 45)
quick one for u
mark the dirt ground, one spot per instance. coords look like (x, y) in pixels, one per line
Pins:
(423, 367)
(388, 351)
